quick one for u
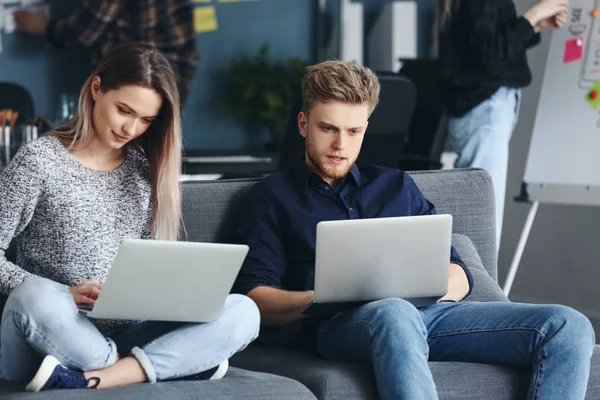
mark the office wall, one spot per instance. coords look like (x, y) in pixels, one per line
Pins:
(243, 28)
(45, 71)
(561, 263)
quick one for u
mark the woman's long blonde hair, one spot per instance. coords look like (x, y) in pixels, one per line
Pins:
(444, 9)
(140, 65)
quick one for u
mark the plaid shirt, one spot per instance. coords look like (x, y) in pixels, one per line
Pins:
(483, 48)
(102, 24)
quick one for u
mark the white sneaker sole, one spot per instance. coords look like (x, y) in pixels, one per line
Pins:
(43, 374)
(221, 371)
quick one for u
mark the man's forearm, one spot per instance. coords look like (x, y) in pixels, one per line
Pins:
(279, 307)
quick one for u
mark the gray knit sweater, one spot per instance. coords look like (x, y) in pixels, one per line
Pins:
(68, 220)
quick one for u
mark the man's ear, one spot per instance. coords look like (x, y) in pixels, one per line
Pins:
(302, 123)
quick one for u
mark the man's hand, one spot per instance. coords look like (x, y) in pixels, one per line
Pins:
(86, 293)
(548, 14)
(279, 307)
(31, 22)
(458, 284)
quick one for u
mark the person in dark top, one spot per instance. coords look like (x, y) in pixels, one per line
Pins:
(279, 225)
(167, 25)
(482, 49)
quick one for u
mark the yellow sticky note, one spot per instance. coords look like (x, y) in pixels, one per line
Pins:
(205, 19)
(202, 1)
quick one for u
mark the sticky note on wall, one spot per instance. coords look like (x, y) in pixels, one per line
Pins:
(574, 50)
(205, 19)
(593, 96)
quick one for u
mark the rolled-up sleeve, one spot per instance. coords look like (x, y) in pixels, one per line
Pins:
(258, 228)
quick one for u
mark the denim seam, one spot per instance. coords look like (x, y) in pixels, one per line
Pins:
(539, 376)
(487, 330)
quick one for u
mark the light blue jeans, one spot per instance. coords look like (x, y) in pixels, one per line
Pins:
(555, 342)
(481, 139)
(41, 318)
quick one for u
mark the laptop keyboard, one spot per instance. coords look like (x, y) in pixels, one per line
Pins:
(86, 308)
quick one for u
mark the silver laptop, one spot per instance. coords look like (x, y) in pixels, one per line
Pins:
(371, 259)
(168, 281)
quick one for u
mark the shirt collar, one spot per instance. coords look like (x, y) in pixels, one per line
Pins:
(303, 173)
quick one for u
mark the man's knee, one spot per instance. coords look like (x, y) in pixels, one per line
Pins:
(572, 325)
(395, 314)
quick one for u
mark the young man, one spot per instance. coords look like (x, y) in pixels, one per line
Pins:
(279, 224)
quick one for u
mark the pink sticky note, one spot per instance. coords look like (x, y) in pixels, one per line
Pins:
(574, 50)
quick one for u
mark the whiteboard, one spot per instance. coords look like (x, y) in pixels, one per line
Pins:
(563, 165)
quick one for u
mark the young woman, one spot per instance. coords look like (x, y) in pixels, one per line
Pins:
(69, 199)
(482, 48)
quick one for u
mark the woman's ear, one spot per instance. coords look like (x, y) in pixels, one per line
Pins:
(96, 88)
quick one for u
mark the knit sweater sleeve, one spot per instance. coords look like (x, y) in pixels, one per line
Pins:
(20, 188)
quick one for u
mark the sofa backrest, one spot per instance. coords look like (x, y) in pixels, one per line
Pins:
(210, 208)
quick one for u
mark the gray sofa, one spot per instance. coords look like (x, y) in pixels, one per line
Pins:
(210, 208)
(468, 196)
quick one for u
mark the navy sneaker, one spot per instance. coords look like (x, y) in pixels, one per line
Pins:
(212, 374)
(53, 375)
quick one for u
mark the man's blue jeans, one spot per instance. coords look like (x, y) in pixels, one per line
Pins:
(41, 318)
(481, 138)
(556, 342)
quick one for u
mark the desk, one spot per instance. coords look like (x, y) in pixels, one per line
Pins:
(229, 164)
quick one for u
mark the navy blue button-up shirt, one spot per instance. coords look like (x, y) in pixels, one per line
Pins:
(279, 220)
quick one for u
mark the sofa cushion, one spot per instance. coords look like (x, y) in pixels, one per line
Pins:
(593, 390)
(484, 287)
(237, 384)
(468, 195)
(330, 380)
(349, 380)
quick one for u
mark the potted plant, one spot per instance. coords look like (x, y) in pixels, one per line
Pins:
(260, 90)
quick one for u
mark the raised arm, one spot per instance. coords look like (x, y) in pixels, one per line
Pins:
(496, 44)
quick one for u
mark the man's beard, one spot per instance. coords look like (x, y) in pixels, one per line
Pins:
(322, 168)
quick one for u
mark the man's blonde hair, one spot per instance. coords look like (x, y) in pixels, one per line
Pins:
(341, 81)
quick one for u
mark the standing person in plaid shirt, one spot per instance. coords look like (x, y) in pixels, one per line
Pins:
(482, 49)
(101, 24)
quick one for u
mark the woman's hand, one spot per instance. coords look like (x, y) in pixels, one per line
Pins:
(86, 293)
(547, 14)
